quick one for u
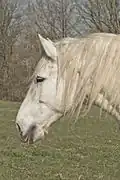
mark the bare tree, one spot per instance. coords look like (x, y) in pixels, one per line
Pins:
(55, 19)
(26, 56)
(9, 30)
(100, 15)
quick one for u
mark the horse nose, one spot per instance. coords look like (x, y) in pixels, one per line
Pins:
(29, 134)
(23, 138)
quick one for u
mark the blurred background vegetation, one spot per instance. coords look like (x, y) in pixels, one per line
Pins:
(20, 21)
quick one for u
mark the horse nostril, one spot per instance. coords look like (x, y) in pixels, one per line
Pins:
(32, 128)
(30, 133)
(19, 129)
(23, 138)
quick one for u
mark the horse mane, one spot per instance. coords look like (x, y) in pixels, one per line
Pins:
(89, 65)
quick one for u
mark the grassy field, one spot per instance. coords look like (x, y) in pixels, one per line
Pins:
(86, 150)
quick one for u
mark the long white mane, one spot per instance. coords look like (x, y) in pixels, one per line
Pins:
(90, 66)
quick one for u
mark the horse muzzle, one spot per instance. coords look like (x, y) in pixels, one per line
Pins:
(28, 137)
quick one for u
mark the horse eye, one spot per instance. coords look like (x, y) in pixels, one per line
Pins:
(40, 79)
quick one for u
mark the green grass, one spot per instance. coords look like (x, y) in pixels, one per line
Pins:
(86, 150)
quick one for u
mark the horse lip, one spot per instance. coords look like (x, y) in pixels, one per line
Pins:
(24, 140)
(28, 137)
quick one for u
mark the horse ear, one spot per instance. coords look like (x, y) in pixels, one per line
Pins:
(48, 47)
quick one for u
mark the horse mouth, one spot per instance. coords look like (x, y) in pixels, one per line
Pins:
(29, 136)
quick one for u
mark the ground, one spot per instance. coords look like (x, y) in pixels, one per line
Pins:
(86, 150)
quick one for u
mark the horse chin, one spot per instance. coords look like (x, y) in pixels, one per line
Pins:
(38, 136)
